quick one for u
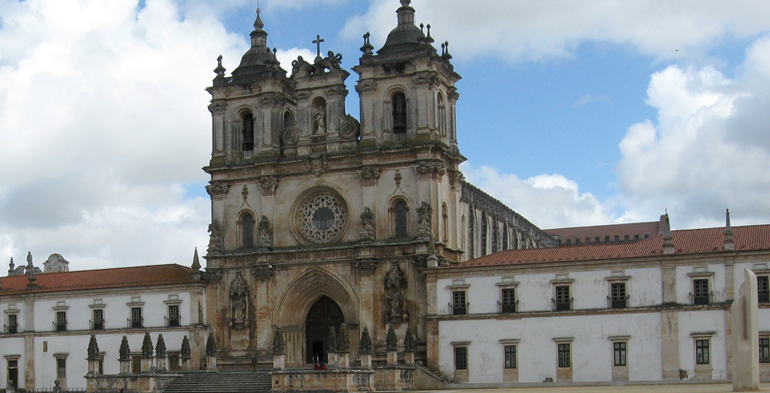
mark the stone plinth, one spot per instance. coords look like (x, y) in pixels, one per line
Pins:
(409, 357)
(160, 364)
(392, 358)
(366, 361)
(349, 380)
(146, 365)
(211, 363)
(343, 360)
(93, 368)
(333, 360)
(125, 367)
(279, 362)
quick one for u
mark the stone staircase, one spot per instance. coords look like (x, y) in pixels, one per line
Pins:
(221, 382)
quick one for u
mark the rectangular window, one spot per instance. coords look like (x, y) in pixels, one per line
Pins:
(564, 356)
(13, 325)
(763, 289)
(510, 356)
(61, 321)
(562, 298)
(13, 372)
(136, 317)
(619, 354)
(509, 300)
(461, 358)
(618, 290)
(702, 352)
(173, 315)
(764, 350)
(98, 319)
(61, 368)
(136, 364)
(700, 291)
(459, 304)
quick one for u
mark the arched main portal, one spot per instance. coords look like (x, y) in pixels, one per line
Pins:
(323, 315)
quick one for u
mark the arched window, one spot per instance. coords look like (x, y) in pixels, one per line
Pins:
(483, 234)
(247, 230)
(399, 113)
(441, 114)
(248, 131)
(400, 219)
(445, 222)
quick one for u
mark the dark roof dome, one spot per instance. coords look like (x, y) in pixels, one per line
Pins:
(406, 36)
(258, 58)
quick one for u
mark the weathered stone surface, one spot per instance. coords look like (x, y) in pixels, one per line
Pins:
(745, 325)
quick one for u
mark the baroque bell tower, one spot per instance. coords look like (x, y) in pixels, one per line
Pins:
(319, 220)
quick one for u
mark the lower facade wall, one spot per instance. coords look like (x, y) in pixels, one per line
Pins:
(537, 338)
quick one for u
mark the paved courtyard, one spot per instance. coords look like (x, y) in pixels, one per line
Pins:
(677, 388)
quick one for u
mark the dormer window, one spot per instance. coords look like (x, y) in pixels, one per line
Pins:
(248, 132)
(399, 113)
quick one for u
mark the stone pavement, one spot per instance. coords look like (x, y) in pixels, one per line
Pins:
(676, 388)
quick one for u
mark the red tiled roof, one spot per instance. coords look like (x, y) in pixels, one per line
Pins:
(620, 230)
(100, 279)
(693, 241)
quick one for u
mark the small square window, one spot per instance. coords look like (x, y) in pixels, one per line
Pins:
(702, 355)
(619, 354)
(510, 356)
(461, 358)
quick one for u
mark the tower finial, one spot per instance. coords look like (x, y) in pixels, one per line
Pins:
(729, 243)
(406, 3)
(258, 24)
(196, 265)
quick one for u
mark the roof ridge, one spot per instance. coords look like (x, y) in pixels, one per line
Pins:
(113, 268)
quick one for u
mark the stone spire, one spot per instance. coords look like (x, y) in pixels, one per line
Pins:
(332, 339)
(279, 346)
(409, 343)
(258, 24)
(391, 342)
(211, 346)
(11, 266)
(729, 244)
(186, 351)
(365, 345)
(125, 352)
(93, 349)
(259, 58)
(147, 346)
(343, 341)
(31, 274)
(668, 240)
(160, 347)
(196, 265)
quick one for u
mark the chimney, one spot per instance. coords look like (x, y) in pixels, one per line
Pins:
(668, 240)
(729, 245)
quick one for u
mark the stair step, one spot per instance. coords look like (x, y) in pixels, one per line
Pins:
(221, 382)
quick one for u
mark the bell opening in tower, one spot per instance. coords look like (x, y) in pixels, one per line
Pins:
(399, 113)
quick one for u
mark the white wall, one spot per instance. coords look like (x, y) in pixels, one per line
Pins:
(591, 348)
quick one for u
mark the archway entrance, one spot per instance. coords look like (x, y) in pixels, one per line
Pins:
(323, 315)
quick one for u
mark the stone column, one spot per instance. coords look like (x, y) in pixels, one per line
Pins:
(745, 337)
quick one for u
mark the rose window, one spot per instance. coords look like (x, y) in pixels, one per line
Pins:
(322, 218)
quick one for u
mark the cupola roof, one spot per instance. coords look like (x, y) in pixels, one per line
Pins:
(406, 38)
(259, 58)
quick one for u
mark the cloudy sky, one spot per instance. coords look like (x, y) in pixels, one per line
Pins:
(572, 112)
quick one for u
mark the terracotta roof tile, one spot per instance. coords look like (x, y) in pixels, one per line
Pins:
(100, 279)
(693, 241)
(602, 231)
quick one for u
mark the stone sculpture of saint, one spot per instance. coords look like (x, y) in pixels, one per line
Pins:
(320, 122)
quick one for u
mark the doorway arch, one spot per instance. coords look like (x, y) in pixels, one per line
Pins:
(324, 315)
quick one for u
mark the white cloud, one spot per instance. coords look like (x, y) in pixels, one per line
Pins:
(103, 122)
(709, 149)
(548, 201)
(524, 30)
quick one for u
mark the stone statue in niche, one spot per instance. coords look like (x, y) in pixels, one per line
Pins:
(239, 298)
(424, 224)
(395, 283)
(265, 234)
(320, 121)
(367, 222)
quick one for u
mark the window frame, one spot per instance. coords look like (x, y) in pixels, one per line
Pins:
(764, 349)
(701, 276)
(61, 365)
(510, 356)
(456, 307)
(97, 323)
(61, 321)
(12, 328)
(620, 353)
(763, 296)
(564, 354)
(395, 216)
(505, 306)
(702, 347)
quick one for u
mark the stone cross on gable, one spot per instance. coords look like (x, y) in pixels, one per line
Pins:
(318, 42)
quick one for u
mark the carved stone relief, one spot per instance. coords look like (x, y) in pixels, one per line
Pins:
(218, 190)
(239, 302)
(395, 284)
(424, 221)
(317, 165)
(367, 223)
(369, 175)
(265, 241)
(434, 169)
(216, 244)
(263, 272)
(268, 184)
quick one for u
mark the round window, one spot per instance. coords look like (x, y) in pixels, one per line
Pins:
(322, 218)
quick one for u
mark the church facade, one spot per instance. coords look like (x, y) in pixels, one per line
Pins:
(320, 219)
